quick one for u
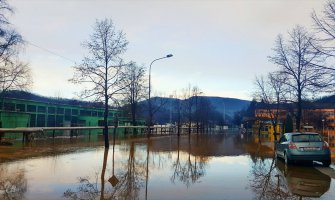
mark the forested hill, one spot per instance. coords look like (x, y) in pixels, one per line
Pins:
(34, 97)
(326, 100)
(167, 106)
(231, 105)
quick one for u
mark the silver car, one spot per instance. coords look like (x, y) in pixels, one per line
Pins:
(307, 147)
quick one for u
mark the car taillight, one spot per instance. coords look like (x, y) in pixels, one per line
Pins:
(325, 145)
(291, 145)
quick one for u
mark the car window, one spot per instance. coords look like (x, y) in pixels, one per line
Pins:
(306, 138)
(282, 139)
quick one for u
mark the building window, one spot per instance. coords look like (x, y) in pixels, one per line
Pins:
(21, 107)
(67, 117)
(60, 111)
(9, 106)
(59, 120)
(67, 112)
(41, 109)
(31, 108)
(51, 110)
(82, 112)
(51, 121)
(88, 113)
(32, 120)
(74, 112)
(40, 120)
(85, 113)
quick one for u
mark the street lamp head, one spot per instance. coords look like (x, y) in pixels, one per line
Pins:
(169, 55)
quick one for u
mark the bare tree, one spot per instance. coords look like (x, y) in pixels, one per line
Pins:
(325, 28)
(178, 114)
(204, 110)
(272, 93)
(296, 58)
(14, 74)
(135, 87)
(190, 100)
(101, 71)
(10, 40)
(156, 104)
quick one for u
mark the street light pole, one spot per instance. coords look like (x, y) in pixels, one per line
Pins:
(224, 114)
(150, 108)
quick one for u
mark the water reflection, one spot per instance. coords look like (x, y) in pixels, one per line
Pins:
(272, 179)
(303, 181)
(191, 169)
(168, 167)
(126, 183)
(13, 183)
(265, 181)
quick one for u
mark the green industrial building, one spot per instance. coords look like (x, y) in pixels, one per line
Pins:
(23, 109)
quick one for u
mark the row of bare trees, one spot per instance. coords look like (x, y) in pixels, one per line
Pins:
(192, 110)
(304, 66)
(109, 79)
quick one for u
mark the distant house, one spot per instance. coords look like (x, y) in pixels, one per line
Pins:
(317, 118)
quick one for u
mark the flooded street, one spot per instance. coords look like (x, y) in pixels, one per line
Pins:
(199, 167)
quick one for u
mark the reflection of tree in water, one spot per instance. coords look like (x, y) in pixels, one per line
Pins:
(190, 170)
(86, 190)
(265, 181)
(13, 184)
(130, 181)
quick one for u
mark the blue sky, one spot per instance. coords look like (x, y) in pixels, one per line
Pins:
(218, 45)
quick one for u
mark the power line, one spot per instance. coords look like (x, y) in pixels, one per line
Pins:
(49, 51)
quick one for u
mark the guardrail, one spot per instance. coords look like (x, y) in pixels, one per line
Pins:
(41, 129)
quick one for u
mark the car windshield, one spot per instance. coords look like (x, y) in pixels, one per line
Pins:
(306, 138)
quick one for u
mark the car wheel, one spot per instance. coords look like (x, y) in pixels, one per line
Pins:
(326, 163)
(287, 160)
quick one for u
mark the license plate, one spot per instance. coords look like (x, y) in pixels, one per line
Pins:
(310, 148)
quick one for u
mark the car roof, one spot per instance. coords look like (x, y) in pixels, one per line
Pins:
(305, 133)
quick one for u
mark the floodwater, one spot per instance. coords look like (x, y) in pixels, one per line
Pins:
(198, 167)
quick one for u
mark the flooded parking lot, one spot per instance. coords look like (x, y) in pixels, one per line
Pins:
(167, 167)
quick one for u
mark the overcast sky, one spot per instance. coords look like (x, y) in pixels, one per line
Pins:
(218, 45)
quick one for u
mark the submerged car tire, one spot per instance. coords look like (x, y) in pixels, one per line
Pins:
(287, 160)
(326, 163)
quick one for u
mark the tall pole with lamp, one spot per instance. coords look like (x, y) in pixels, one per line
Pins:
(150, 106)
(224, 115)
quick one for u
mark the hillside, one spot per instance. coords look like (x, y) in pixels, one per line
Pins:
(227, 106)
(230, 105)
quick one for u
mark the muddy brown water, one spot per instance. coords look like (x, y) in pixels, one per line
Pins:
(169, 167)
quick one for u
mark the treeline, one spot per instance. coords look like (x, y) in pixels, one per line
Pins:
(196, 113)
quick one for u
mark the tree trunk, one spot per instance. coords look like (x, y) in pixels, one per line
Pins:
(299, 111)
(105, 132)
